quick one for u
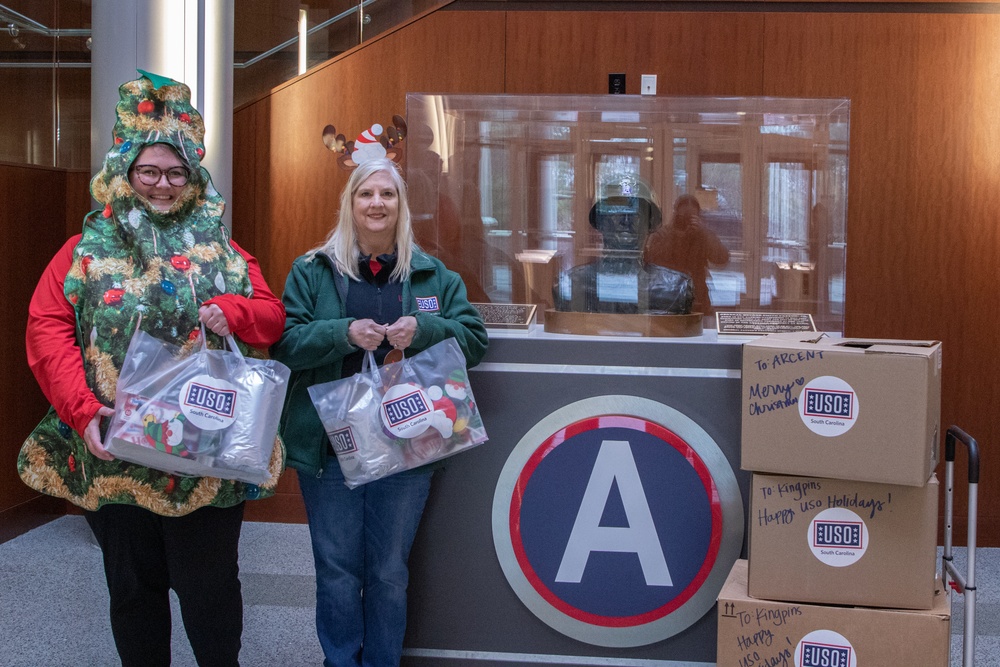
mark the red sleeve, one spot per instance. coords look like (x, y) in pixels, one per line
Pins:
(54, 355)
(257, 321)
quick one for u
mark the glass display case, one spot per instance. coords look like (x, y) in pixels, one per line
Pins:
(618, 208)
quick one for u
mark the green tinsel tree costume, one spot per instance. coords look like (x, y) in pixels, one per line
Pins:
(139, 268)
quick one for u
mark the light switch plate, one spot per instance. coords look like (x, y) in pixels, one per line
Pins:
(648, 85)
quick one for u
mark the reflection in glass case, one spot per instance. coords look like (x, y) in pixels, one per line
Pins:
(623, 205)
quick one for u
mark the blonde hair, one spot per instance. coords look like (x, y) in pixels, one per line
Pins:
(342, 242)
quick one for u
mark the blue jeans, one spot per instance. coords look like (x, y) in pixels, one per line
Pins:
(361, 541)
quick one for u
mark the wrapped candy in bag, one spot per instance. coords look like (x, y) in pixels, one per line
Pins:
(213, 413)
(403, 415)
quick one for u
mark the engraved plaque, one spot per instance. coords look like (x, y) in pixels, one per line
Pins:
(507, 315)
(754, 323)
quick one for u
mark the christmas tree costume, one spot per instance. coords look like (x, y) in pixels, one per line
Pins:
(139, 268)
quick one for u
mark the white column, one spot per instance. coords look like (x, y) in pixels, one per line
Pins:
(187, 40)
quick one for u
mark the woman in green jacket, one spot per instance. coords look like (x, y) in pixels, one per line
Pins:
(368, 287)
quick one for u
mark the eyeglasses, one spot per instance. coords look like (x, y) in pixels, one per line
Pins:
(150, 175)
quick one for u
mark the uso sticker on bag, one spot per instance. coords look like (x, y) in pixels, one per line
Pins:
(406, 410)
(209, 403)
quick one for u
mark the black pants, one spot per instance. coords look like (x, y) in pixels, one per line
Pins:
(146, 554)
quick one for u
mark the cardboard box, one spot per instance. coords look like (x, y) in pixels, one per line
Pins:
(840, 542)
(754, 633)
(845, 408)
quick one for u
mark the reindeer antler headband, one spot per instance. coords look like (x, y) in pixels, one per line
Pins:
(370, 144)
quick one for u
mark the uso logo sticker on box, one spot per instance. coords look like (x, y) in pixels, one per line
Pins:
(829, 406)
(825, 648)
(838, 537)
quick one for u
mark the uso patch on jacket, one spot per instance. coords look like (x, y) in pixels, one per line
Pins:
(428, 304)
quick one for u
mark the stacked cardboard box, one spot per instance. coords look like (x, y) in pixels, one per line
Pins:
(841, 436)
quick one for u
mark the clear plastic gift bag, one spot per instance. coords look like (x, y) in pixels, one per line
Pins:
(403, 415)
(213, 413)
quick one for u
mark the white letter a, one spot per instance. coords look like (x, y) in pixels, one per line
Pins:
(614, 463)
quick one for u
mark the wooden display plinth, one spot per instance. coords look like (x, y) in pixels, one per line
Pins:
(614, 324)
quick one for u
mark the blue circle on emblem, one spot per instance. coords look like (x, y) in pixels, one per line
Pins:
(616, 520)
(644, 483)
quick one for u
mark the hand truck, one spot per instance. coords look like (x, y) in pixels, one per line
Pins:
(962, 584)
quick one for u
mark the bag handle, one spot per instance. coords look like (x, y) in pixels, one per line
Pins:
(233, 347)
(369, 367)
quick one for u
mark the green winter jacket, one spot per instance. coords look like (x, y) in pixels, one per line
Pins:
(315, 339)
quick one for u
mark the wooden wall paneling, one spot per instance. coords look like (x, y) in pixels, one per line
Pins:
(924, 190)
(78, 201)
(241, 211)
(441, 52)
(262, 198)
(34, 228)
(690, 53)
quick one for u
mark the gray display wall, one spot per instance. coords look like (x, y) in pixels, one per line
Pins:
(482, 588)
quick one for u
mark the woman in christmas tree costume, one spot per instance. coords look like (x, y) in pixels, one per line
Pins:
(368, 287)
(157, 258)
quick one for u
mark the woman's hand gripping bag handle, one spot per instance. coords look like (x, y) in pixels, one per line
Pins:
(212, 413)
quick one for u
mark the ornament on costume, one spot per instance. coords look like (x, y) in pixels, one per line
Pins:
(71, 462)
(146, 106)
(113, 296)
(180, 262)
(135, 217)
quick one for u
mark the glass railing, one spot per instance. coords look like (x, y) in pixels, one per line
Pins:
(45, 63)
(45, 79)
